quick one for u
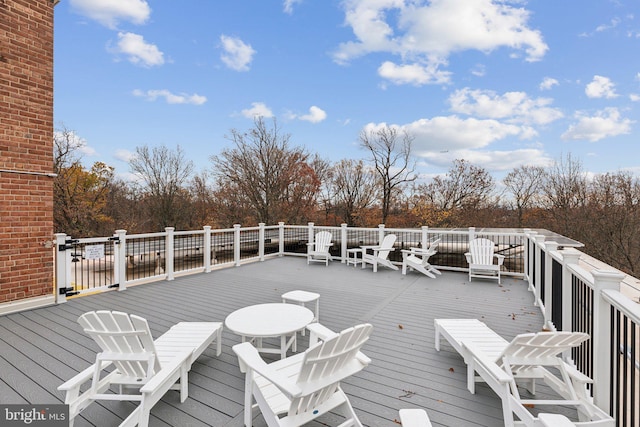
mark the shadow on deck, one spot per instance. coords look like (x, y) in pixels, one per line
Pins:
(40, 349)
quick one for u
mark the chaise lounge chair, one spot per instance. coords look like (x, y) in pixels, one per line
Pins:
(528, 357)
(144, 369)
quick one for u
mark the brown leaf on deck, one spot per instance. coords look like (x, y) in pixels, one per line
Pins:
(400, 327)
(528, 405)
(396, 421)
(451, 370)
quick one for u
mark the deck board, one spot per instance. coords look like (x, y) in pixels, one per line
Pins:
(41, 348)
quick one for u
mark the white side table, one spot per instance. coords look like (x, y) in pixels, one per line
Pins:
(352, 256)
(302, 298)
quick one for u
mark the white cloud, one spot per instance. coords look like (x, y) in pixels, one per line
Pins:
(171, 98)
(415, 74)
(493, 160)
(258, 109)
(448, 133)
(612, 24)
(110, 12)
(427, 34)
(124, 155)
(601, 87)
(604, 123)
(548, 83)
(288, 5)
(137, 50)
(316, 115)
(237, 54)
(515, 107)
(634, 97)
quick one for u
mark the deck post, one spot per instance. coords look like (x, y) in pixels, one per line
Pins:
(261, 241)
(537, 276)
(207, 248)
(570, 256)
(63, 268)
(424, 240)
(344, 243)
(380, 234)
(548, 280)
(281, 238)
(169, 255)
(530, 256)
(236, 244)
(472, 233)
(120, 260)
(601, 339)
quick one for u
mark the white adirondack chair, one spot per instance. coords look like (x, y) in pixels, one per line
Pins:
(380, 253)
(318, 251)
(418, 259)
(294, 391)
(480, 259)
(414, 418)
(527, 357)
(144, 369)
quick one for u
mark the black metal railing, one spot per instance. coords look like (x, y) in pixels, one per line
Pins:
(582, 321)
(625, 370)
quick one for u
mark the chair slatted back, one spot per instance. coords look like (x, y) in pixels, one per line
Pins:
(326, 364)
(323, 241)
(481, 251)
(122, 334)
(527, 350)
(431, 251)
(386, 246)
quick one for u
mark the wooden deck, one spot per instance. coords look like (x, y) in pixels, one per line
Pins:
(40, 349)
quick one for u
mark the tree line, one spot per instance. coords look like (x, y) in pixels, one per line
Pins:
(263, 177)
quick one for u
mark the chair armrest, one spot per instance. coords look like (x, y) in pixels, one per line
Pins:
(468, 256)
(164, 379)
(319, 333)
(500, 258)
(80, 378)
(414, 418)
(249, 357)
(489, 365)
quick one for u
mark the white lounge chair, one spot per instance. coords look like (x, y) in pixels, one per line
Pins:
(418, 259)
(528, 357)
(380, 253)
(144, 369)
(318, 251)
(480, 259)
(414, 418)
(294, 391)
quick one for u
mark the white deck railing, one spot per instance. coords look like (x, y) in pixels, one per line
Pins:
(574, 291)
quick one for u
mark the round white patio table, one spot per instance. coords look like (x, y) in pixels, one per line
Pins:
(256, 322)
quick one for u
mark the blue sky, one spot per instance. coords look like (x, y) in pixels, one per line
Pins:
(498, 83)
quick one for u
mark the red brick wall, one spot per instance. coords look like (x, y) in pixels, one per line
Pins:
(26, 148)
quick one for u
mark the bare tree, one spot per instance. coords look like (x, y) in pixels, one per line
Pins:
(390, 151)
(276, 180)
(164, 174)
(354, 189)
(565, 191)
(525, 184)
(613, 214)
(79, 195)
(448, 199)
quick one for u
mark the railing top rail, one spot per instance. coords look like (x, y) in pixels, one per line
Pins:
(623, 304)
(187, 232)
